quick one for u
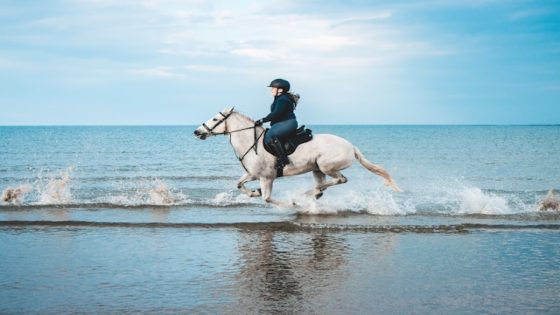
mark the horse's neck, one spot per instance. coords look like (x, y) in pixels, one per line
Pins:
(242, 141)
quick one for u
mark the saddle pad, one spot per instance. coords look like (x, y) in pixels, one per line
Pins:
(291, 143)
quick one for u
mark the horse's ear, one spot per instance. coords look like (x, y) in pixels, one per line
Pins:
(228, 110)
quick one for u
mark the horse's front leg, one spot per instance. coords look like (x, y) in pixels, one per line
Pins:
(241, 185)
(266, 187)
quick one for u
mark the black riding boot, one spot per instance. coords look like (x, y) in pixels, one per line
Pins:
(282, 157)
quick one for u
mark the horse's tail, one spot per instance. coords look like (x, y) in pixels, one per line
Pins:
(376, 169)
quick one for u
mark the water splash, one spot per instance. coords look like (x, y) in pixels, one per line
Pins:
(162, 195)
(549, 202)
(474, 200)
(15, 195)
(437, 198)
(377, 202)
(56, 190)
(155, 192)
(229, 198)
(450, 200)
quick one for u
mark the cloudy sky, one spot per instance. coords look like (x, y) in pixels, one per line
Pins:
(353, 62)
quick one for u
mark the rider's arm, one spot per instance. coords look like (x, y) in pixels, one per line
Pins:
(283, 105)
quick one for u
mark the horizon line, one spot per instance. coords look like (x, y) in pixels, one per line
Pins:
(336, 124)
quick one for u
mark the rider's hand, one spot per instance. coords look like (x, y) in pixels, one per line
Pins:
(258, 122)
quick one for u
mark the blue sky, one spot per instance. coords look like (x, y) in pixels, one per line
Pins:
(353, 62)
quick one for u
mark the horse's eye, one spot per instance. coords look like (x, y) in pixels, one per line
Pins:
(215, 119)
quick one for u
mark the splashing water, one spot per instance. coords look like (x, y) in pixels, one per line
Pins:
(457, 200)
(162, 195)
(474, 200)
(57, 189)
(229, 198)
(378, 202)
(156, 193)
(447, 198)
(15, 195)
(549, 202)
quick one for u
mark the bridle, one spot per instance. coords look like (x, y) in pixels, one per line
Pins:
(211, 130)
(229, 132)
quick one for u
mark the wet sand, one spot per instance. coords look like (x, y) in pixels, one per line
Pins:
(268, 268)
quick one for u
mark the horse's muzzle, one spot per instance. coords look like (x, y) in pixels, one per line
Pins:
(200, 135)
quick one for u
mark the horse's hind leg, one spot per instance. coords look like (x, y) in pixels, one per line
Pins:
(338, 179)
(319, 182)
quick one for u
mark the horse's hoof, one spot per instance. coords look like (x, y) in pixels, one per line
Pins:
(319, 195)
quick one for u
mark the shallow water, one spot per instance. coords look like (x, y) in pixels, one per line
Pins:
(147, 219)
(453, 170)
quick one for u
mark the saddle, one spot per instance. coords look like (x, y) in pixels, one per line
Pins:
(292, 141)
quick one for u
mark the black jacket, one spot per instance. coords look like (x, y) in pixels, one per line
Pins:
(281, 109)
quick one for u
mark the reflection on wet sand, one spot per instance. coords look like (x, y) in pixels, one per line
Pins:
(160, 214)
(282, 272)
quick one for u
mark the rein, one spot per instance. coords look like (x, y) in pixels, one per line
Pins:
(226, 132)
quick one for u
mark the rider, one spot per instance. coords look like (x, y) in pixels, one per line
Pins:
(282, 119)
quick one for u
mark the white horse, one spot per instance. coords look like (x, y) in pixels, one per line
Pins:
(324, 155)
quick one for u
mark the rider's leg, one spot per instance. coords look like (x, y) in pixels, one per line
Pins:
(278, 132)
(280, 152)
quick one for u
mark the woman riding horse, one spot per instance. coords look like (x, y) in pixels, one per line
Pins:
(282, 119)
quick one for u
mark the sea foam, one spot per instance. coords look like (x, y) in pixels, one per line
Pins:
(55, 189)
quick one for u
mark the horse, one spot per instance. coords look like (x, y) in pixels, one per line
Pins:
(325, 155)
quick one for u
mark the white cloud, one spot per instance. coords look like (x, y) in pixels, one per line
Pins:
(225, 38)
(207, 68)
(363, 18)
(157, 72)
(258, 53)
(329, 42)
(221, 34)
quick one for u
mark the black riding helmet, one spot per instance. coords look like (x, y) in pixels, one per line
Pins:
(281, 84)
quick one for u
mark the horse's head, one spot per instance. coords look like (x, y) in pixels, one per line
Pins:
(214, 126)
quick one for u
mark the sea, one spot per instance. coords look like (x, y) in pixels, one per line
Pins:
(147, 219)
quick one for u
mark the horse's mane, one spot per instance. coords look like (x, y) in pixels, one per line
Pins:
(242, 115)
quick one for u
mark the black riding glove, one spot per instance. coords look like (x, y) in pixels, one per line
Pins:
(258, 122)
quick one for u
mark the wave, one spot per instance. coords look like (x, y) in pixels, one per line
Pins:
(58, 190)
(453, 201)
(471, 202)
(50, 189)
(55, 190)
(292, 226)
